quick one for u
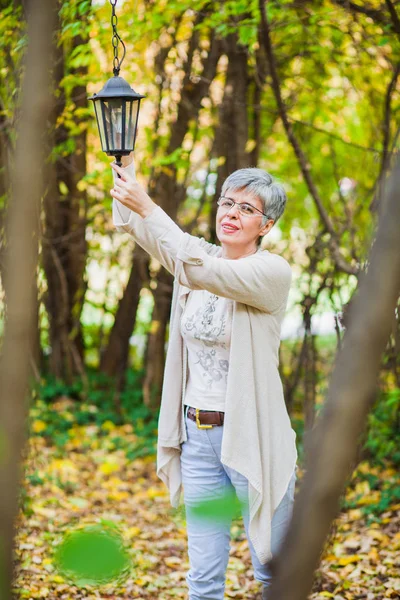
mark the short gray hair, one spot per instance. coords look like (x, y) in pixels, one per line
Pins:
(262, 185)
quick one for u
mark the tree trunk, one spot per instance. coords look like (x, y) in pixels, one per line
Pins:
(114, 360)
(231, 143)
(6, 156)
(232, 132)
(22, 254)
(155, 352)
(64, 244)
(169, 193)
(4, 190)
(352, 392)
(309, 379)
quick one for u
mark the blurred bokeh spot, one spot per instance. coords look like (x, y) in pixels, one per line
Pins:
(92, 555)
(224, 507)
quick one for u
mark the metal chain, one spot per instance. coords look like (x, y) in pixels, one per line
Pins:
(115, 40)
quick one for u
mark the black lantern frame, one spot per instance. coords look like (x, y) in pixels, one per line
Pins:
(117, 112)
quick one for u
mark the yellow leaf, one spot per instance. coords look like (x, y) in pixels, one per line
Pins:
(327, 558)
(154, 327)
(347, 560)
(389, 473)
(133, 531)
(67, 416)
(82, 185)
(108, 425)
(172, 561)
(167, 170)
(108, 468)
(118, 496)
(372, 498)
(49, 513)
(112, 483)
(373, 555)
(64, 466)
(378, 535)
(150, 517)
(355, 514)
(38, 426)
(63, 188)
(250, 145)
(364, 467)
(362, 488)
(152, 492)
(128, 428)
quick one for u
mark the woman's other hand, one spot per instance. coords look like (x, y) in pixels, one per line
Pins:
(127, 191)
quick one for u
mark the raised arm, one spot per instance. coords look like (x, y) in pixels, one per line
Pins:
(126, 220)
(261, 280)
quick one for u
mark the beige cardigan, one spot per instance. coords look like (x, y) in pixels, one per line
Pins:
(258, 440)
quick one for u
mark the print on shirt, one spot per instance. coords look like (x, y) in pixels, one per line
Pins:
(204, 325)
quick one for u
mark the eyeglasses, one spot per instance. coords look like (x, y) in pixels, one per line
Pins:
(245, 209)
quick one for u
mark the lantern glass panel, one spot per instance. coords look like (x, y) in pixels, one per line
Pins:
(100, 124)
(119, 124)
(113, 112)
(132, 110)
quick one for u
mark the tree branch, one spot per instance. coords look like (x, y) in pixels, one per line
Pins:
(394, 16)
(330, 134)
(20, 272)
(377, 15)
(334, 449)
(340, 262)
(386, 153)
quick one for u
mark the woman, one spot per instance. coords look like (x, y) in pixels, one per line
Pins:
(223, 422)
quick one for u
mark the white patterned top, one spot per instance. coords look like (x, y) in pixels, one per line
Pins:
(206, 329)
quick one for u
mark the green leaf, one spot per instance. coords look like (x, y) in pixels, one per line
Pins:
(91, 555)
(225, 507)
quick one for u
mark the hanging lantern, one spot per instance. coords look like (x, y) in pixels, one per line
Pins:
(117, 106)
(117, 113)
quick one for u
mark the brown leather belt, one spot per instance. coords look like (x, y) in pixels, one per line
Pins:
(206, 419)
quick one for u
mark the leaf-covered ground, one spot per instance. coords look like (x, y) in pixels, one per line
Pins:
(93, 481)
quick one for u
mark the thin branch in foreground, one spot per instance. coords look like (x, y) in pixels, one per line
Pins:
(20, 271)
(304, 165)
(352, 391)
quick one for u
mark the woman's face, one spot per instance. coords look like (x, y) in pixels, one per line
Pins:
(238, 231)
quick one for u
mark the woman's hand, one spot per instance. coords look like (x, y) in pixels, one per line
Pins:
(131, 194)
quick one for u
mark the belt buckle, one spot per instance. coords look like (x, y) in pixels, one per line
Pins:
(199, 425)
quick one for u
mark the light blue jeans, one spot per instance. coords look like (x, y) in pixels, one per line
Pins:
(205, 477)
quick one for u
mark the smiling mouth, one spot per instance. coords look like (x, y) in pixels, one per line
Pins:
(228, 227)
